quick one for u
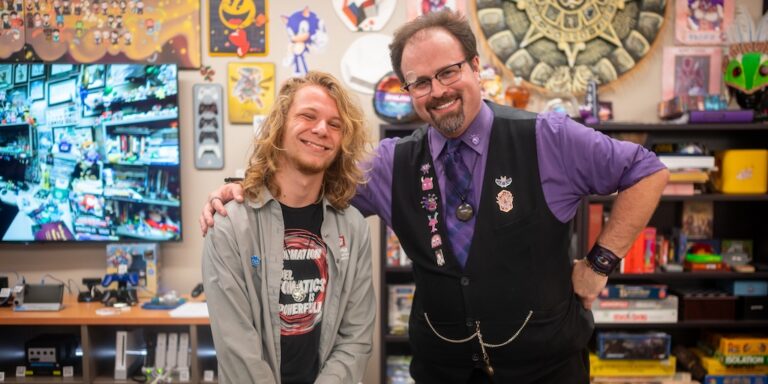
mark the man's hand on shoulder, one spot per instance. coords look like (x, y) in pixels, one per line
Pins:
(215, 203)
(587, 284)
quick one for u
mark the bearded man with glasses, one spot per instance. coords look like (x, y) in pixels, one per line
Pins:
(482, 200)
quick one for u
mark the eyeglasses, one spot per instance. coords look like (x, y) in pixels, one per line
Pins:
(445, 76)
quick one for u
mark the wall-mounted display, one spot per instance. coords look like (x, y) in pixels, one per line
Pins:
(149, 31)
(562, 45)
(703, 22)
(307, 34)
(696, 71)
(364, 15)
(97, 164)
(237, 27)
(251, 90)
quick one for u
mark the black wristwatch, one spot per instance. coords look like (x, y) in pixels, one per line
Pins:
(233, 179)
(602, 260)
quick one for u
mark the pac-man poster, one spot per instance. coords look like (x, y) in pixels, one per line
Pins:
(251, 90)
(147, 31)
(237, 27)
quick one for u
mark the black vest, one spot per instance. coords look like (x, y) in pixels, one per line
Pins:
(518, 262)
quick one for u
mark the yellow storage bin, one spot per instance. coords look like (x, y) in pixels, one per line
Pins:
(742, 171)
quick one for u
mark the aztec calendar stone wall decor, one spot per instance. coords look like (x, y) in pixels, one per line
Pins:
(561, 44)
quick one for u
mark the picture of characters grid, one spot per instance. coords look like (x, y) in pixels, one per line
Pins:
(89, 152)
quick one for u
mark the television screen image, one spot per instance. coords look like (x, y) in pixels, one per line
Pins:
(90, 153)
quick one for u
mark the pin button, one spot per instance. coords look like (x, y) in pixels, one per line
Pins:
(465, 281)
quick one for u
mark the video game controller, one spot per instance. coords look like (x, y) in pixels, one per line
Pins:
(208, 108)
(205, 123)
(208, 148)
(209, 135)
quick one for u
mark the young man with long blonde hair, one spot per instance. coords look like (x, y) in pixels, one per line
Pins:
(288, 274)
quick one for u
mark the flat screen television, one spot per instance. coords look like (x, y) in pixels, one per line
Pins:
(89, 152)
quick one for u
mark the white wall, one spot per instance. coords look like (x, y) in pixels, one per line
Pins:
(634, 99)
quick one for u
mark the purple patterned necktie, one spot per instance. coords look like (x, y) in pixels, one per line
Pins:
(457, 186)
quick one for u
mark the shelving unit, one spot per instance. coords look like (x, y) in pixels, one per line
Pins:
(96, 335)
(735, 216)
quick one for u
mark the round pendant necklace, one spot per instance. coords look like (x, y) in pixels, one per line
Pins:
(464, 211)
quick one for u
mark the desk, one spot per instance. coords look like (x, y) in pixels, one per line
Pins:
(96, 334)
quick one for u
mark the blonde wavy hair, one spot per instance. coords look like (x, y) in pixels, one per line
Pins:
(344, 175)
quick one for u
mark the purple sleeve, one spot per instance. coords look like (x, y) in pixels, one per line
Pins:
(375, 196)
(575, 161)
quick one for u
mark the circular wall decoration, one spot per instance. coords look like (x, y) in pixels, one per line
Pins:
(561, 44)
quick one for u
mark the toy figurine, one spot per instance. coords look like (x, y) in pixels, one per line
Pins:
(746, 71)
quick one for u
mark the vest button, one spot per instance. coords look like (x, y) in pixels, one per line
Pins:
(470, 323)
(475, 357)
(465, 281)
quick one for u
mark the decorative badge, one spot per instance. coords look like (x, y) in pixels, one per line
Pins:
(298, 294)
(504, 181)
(436, 241)
(433, 221)
(505, 199)
(475, 139)
(429, 202)
(425, 168)
(255, 261)
(343, 248)
(426, 183)
(439, 257)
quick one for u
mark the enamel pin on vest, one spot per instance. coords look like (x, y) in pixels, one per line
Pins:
(504, 198)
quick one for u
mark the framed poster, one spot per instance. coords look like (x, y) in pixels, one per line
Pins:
(36, 90)
(237, 28)
(703, 22)
(20, 74)
(61, 92)
(251, 90)
(691, 71)
(36, 70)
(93, 76)
(108, 31)
(62, 69)
(93, 104)
(6, 75)
(18, 97)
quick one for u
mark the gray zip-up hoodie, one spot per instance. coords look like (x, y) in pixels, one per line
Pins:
(242, 269)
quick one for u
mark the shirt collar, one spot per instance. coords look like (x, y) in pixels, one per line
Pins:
(475, 135)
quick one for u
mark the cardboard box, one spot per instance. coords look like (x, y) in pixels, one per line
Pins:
(742, 171)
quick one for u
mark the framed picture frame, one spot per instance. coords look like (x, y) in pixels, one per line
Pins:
(20, 73)
(6, 75)
(703, 23)
(36, 70)
(93, 76)
(61, 92)
(17, 96)
(93, 104)
(251, 90)
(36, 90)
(691, 71)
(62, 69)
(118, 74)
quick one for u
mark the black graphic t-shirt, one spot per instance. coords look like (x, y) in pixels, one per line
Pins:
(302, 293)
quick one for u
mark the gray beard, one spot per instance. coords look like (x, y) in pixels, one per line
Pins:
(449, 125)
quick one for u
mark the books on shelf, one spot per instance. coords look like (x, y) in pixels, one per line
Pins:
(636, 311)
(630, 291)
(631, 368)
(687, 161)
(400, 301)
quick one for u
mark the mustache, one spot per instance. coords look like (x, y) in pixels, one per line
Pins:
(442, 100)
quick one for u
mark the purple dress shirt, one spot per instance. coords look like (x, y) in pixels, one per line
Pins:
(574, 161)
